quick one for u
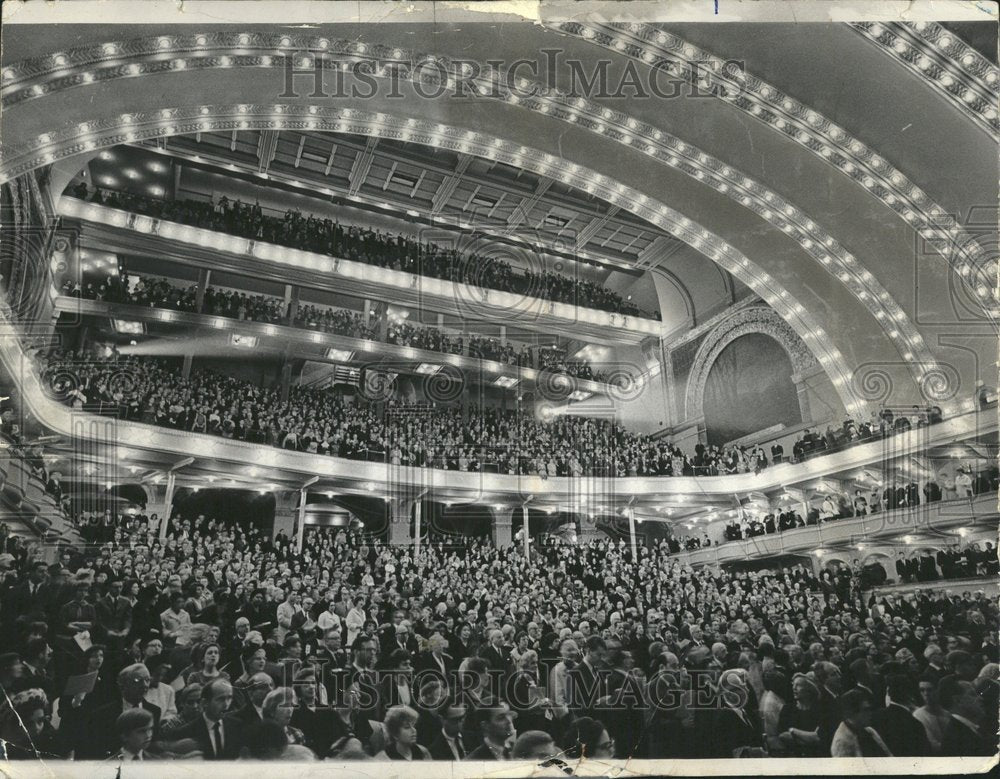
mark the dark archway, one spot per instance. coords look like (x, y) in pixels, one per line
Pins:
(749, 388)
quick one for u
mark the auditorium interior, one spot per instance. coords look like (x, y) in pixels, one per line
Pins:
(595, 377)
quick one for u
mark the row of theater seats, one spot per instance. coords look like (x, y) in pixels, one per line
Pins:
(27, 506)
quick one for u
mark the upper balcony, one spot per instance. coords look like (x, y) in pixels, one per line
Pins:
(939, 523)
(227, 336)
(157, 450)
(137, 233)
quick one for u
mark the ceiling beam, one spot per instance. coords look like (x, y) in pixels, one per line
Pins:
(593, 227)
(449, 184)
(520, 214)
(329, 160)
(362, 164)
(267, 147)
(420, 180)
(388, 178)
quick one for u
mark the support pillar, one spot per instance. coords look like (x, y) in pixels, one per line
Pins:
(204, 279)
(501, 530)
(291, 303)
(417, 507)
(300, 528)
(399, 521)
(527, 536)
(631, 533)
(285, 514)
(503, 335)
(168, 499)
(286, 372)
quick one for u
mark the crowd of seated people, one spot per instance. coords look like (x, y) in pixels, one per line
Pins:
(360, 244)
(424, 337)
(889, 497)
(161, 293)
(323, 422)
(554, 360)
(222, 643)
(332, 320)
(495, 349)
(884, 422)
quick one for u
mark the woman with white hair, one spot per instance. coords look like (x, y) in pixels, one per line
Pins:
(278, 707)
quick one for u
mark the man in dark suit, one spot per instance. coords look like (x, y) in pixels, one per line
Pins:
(36, 658)
(316, 722)
(495, 722)
(899, 729)
(449, 743)
(736, 730)
(585, 679)
(258, 686)
(215, 735)
(100, 739)
(963, 736)
(436, 660)
(497, 656)
(32, 598)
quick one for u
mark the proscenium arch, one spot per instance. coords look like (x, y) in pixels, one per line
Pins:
(174, 121)
(26, 81)
(752, 319)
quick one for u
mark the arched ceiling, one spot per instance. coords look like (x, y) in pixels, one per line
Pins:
(836, 73)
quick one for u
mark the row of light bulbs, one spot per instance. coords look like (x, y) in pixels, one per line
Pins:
(942, 60)
(172, 121)
(816, 133)
(690, 238)
(862, 284)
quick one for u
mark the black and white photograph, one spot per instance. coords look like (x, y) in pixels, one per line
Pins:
(603, 388)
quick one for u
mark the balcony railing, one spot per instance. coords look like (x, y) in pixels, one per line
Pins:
(305, 336)
(397, 284)
(927, 518)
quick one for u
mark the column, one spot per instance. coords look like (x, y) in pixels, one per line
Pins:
(503, 335)
(501, 530)
(399, 521)
(300, 528)
(286, 513)
(286, 371)
(527, 535)
(168, 499)
(417, 506)
(204, 279)
(291, 303)
(631, 533)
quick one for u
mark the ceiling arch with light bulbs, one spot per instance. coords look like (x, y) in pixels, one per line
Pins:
(840, 251)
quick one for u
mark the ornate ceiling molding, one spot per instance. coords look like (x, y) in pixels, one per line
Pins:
(811, 130)
(97, 134)
(750, 319)
(943, 61)
(104, 62)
